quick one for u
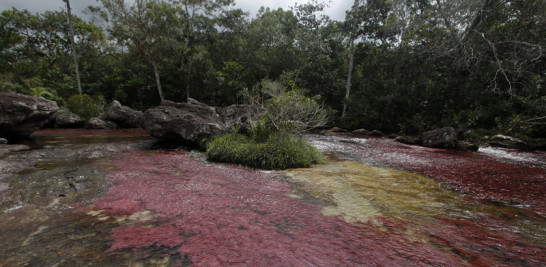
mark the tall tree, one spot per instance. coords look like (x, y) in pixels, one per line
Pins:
(74, 53)
(352, 20)
(198, 16)
(148, 26)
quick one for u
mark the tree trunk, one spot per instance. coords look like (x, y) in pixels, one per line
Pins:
(152, 62)
(476, 22)
(188, 75)
(442, 14)
(349, 77)
(74, 54)
(351, 60)
(158, 82)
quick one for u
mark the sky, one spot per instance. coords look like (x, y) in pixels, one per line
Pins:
(336, 8)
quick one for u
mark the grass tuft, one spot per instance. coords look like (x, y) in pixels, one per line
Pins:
(277, 151)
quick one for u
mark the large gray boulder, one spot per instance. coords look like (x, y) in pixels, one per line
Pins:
(123, 116)
(99, 124)
(21, 115)
(409, 140)
(506, 141)
(184, 123)
(440, 138)
(66, 119)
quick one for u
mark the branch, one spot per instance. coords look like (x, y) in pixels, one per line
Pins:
(497, 59)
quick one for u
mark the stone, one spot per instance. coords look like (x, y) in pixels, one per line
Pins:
(440, 138)
(505, 141)
(5, 149)
(184, 123)
(409, 140)
(99, 124)
(361, 132)
(21, 115)
(239, 116)
(123, 116)
(4, 186)
(66, 119)
(337, 130)
(193, 101)
(377, 133)
(334, 131)
(466, 146)
(3, 141)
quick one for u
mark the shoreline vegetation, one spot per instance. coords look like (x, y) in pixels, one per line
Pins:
(400, 67)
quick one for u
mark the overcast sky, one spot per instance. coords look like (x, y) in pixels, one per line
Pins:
(336, 10)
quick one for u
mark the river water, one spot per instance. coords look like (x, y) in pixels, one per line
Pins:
(116, 198)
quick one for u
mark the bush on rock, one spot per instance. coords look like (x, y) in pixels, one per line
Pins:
(273, 142)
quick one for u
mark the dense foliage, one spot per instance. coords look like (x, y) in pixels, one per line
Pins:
(417, 64)
(287, 111)
(86, 106)
(273, 141)
(277, 151)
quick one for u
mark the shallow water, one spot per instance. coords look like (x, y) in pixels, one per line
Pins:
(113, 198)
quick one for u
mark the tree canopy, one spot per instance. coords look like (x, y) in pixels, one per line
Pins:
(401, 66)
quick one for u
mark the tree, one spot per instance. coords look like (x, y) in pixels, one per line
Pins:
(199, 17)
(148, 26)
(288, 111)
(269, 48)
(352, 36)
(36, 50)
(74, 54)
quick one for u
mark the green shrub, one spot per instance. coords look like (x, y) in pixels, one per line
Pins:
(86, 106)
(278, 151)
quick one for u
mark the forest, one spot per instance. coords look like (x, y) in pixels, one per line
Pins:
(399, 66)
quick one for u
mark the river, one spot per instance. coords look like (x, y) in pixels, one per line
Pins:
(116, 198)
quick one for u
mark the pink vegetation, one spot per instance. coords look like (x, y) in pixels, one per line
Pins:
(479, 175)
(485, 242)
(225, 215)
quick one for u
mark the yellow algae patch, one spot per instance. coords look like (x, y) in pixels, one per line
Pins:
(360, 192)
(39, 231)
(142, 216)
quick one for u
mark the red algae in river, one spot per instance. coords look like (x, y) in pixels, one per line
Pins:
(496, 246)
(225, 215)
(479, 175)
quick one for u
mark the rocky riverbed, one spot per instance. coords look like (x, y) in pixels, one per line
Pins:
(111, 198)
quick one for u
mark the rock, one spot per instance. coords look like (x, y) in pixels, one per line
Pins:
(4, 186)
(440, 138)
(193, 101)
(377, 133)
(239, 116)
(466, 135)
(3, 141)
(66, 119)
(4, 149)
(21, 115)
(361, 132)
(505, 141)
(124, 117)
(333, 131)
(182, 123)
(466, 146)
(410, 140)
(96, 123)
